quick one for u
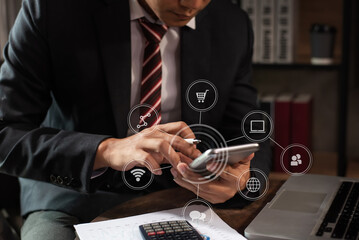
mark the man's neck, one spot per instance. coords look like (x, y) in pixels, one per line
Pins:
(148, 9)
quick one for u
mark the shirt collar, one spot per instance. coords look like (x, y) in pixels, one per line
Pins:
(136, 12)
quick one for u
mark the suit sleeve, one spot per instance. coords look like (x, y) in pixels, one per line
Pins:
(242, 100)
(26, 149)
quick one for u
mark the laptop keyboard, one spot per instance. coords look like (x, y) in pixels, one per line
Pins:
(342, 218)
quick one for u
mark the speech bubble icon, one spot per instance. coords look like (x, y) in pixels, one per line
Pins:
(194, 215)
(202, 217)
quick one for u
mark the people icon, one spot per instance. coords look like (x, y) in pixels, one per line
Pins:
(296, 160)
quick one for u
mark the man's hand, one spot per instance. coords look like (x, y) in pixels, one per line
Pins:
(221, 189)
(154, 146)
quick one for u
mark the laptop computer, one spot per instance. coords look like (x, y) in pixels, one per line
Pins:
(310, 207)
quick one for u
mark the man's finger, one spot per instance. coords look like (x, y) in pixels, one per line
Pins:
(161, 146)
(177, 128)
(212, 192)
(246, 160)
(187, 173)
(179, 144)
(185, 159)
(140, 160)
(158, 157)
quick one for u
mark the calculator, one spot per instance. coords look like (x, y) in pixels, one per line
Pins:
(170, 230)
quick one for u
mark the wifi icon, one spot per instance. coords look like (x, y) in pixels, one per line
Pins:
(138, 173)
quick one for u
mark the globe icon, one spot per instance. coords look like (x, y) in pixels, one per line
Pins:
(253, 184)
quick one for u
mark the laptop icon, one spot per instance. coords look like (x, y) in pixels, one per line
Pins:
(257, 126)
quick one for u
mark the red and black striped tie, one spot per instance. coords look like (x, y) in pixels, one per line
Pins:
(151, 71)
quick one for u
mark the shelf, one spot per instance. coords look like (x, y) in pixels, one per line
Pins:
(319, 11)
(297, 66)
(340, 15)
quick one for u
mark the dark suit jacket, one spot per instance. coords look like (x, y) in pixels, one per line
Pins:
(65, 87)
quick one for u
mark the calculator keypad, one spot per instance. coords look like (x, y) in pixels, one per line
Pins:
(169, 230)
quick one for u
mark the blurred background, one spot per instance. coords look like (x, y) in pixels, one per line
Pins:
(305, 69)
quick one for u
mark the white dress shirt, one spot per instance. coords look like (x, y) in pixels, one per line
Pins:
(170, 53)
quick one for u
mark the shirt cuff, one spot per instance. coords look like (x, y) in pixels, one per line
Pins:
(98, 172)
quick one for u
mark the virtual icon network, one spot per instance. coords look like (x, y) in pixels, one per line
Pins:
(257, 126)
(197, 216)
(137, 173)
(296, 160)
(142, 119)
(201, 96)
(199, 92)
(253, 184)
(258, 184)
(142, 116)
(137, 178)
(197, 211)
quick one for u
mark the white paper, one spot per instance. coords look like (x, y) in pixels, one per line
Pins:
(128, 228)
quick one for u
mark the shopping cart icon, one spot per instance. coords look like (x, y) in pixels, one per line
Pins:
(201, 96)
(142, 119)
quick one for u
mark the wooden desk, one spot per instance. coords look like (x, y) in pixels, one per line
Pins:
(238, 219)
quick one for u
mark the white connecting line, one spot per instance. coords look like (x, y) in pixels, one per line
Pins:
(231, 174)
(277, 143)
(234, 139)
(162, 168)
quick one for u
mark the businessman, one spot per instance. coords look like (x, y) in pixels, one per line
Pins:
(72, 72)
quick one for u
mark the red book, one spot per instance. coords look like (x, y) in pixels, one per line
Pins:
(282, 127)
(302, 126)
(302, 120)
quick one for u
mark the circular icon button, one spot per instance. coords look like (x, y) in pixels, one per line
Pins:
(210, 138)
(142, 116)
(257, 126)
(138, 178)
(255, 187)
(296, 159)
(197, 211)
(202, 95)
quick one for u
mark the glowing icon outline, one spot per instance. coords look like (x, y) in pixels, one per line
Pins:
(194, 105)
(137, 173)
(142, 118)
(201, 96)
(201, 206)
(309, 161)
(253, 122)
(264, 184)
(147, 182)
(270, 126)
(296, 160)
(249, 181)
(197, 216)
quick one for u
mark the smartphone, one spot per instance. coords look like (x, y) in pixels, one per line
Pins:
(234, 153)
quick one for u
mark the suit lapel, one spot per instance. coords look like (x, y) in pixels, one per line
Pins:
(113, 28)
(195, 60)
